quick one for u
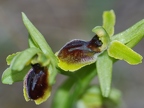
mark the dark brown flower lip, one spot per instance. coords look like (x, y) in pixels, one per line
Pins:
(36, 82)
(78, 44)
(77, 49)
(79, 53)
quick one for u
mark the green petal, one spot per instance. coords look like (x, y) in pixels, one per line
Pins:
(104, 69)
(23, 59)
(9, 76)
(122, 52)
(41, 59)
(131, 33)
(11, 57)
(109, 21)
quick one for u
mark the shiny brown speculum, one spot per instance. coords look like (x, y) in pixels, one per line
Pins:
(36, 82)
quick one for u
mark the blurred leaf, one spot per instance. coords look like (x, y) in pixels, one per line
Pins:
(63, 91)
(109, 21)
(23, 59)
(11, 57)
(114, 97)
(104, 69)
(91, 98)
(122, 52)
(73, 87)
(9, 76)
(131, 33)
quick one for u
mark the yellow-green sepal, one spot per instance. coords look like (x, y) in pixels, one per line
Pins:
(120, 51)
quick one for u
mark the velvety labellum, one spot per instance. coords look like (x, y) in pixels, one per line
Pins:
(78, 53)
(36, 84)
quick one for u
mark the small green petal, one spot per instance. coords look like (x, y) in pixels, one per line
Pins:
(9, 76)
(23, 59)
(122, 52)
(10, 58)
(41, 59)
(104, 69)
(109, 21)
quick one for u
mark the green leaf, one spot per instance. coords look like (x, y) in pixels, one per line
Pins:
(11, 57)
(122, 52)
(131, 33)
(9, 76)
(109, 21)
(104, 69)
(23, 59)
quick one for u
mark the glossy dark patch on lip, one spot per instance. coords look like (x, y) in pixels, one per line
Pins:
(79, 50)
(36, 82)
(94, 44)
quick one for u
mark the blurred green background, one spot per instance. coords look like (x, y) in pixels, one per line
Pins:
(60, 21)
